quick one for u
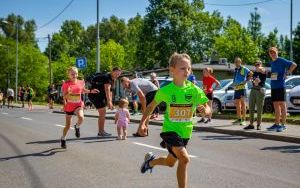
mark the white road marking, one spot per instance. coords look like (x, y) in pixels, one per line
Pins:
(58, 125)
(4, 113)
(26, 118)
(158, 148)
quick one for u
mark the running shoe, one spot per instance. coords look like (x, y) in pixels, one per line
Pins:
(63, 143)
(249, 127)
(146, 166)
(201, 120)
(207, 121)
(104, 134)
(238, 121)
(280, 128)
(258, 127)
(242, 123)
(77, 131)
(273, 127)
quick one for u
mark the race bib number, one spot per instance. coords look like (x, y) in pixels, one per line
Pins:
(74, 98)
(239, 87)
(181, 112)
(274, 76)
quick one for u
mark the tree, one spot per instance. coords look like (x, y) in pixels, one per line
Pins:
(236, 42)
(296, 47)
(112, 54)
(269, 41)
(254, 25)
(113, 28)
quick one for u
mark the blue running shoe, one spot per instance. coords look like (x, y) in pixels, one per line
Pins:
(146, 166)
(273, 127)
(280, 128)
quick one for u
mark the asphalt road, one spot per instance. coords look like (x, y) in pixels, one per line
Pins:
(30, 156)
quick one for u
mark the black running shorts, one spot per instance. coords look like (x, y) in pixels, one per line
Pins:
(98, 99)
(278, 95)
(172, 139)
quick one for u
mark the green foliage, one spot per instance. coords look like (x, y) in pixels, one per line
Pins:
(236, 42)
(296, 47)
(112, 55)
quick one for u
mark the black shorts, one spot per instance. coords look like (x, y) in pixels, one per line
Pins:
(278, 94)
(150, 97)
(29, 98)
(209, 96)
(172, 139)
(99, 99)
(10, 98)
(238, 94)
(51, 97)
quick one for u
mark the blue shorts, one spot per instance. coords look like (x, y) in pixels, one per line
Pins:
(134, 97)
(238, 94)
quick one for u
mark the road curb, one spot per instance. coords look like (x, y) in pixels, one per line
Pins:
(262, 135)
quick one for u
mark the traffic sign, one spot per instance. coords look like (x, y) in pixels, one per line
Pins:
(81, 62)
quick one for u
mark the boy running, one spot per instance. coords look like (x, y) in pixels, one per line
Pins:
(182, 98)
(72, 91)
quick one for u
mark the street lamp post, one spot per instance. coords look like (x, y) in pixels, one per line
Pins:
(17, 59)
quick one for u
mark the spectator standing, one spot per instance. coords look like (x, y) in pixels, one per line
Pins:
(280, 68)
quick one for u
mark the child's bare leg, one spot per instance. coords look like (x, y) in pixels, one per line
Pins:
(67, 126)
(169, 161)
(183, 160)
(124, 133)
(80, 116)
(119, 133)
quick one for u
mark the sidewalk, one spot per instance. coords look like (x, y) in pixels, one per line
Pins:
(291, 134)
(223, 126)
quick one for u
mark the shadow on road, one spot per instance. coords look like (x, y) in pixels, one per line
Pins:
(224, 137)
(46, 153)
(284, 149)
(71, 139)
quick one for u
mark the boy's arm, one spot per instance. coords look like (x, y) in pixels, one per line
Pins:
(204, 109)
(292, 68)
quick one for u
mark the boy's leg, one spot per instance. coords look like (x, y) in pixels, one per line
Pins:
(183, 160)
(169, 161)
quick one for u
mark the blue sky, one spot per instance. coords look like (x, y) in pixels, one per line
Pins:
(274, 13)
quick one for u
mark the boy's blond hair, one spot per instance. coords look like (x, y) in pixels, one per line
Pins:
(123, 103)
(175, 58)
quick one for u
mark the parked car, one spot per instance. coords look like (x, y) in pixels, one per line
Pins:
(291, 82)
(228, 99)
(293, 100)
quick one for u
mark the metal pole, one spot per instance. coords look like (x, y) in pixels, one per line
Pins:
(291, 33)
(17, 63)
(98, 43)
(50, 66)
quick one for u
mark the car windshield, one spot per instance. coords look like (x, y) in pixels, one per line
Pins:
(223, 83)
(292, 82)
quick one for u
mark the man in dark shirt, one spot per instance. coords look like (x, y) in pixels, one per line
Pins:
(104, 83)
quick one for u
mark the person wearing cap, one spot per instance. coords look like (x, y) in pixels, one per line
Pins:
(280, 68)
(257, 95)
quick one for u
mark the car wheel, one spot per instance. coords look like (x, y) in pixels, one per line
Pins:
(216, 106)
(268, 106)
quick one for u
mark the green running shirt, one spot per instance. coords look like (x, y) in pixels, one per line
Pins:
(181, 103)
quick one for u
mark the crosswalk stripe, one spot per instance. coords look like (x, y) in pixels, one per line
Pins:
(58, 125)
